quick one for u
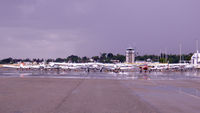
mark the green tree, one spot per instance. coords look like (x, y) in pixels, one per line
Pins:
(27, 60)
(60, 60)
(110, 56)
(103, 57)
(73, 59)
(162, 60)
(119, 57)
(50, 60)
(85, 59)
(7, 61)
(96, 58)
(187, 57)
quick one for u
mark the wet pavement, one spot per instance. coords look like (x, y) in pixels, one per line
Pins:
(169, 96)
(78, 92)
(190, 75)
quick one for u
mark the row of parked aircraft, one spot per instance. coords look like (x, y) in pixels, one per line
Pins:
(101, 66)
(73, 66)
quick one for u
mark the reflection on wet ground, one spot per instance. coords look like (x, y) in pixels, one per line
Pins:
(102, 75)
(189, 91)
(168, 96)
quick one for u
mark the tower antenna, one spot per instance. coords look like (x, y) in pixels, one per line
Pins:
(166, 55)
(197, 45)
(180, 52)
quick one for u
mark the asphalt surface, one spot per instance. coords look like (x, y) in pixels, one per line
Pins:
(56, 95)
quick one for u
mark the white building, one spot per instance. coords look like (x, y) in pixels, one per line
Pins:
(130, 55)
(195, 59)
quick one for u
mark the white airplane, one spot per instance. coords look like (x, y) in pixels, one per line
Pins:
(10, 66)
(122, 66)
(23, 66)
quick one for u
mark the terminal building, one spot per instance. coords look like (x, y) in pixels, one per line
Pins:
(130, 55)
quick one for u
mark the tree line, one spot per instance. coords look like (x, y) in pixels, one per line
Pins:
(103, 58)
(166, 58)
(106, 58)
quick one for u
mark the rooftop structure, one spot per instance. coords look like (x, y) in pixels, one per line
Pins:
(195, 59)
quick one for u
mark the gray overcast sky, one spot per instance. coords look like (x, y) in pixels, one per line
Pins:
(58, 28)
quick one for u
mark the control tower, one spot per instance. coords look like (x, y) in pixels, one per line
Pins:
(130, 55)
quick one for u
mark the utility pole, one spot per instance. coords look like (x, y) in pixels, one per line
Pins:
(180, 53)
(197, 47)
(166, 55)
(159, 56)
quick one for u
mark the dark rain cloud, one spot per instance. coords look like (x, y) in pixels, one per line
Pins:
(57, 28)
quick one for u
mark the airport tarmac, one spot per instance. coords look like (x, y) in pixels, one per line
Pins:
(73, 95)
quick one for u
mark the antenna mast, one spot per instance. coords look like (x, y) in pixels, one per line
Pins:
(165, 55)
(180, 52)
(197, 47)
